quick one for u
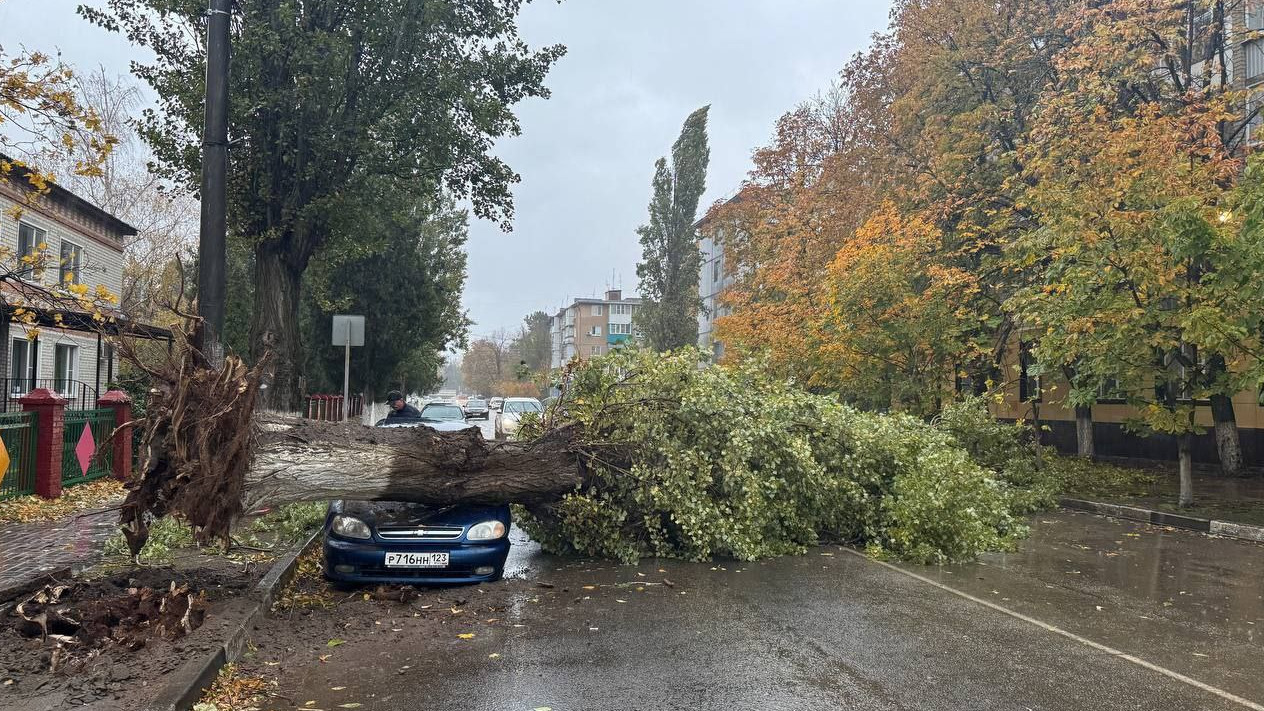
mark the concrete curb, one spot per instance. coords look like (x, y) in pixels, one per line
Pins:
(1163, 518)
(184, 686)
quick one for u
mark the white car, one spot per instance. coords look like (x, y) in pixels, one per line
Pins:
(511, 412)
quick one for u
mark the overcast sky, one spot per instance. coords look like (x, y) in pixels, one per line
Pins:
(634, 70)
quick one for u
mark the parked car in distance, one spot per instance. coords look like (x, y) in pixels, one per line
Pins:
(510, 415)
(476, 409)
(406, 543)
(495, 403)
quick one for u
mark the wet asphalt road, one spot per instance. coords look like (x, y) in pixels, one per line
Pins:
(832, 630)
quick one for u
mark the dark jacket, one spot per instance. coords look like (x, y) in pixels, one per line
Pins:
(407, 412)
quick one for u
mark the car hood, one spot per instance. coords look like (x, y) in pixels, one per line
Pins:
(398, 513)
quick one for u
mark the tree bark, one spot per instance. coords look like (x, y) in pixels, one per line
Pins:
(1226, 428)
(274, 328)
(1185, 446)
(1084, 431)
(300, 460)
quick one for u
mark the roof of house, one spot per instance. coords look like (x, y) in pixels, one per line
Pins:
(71, 199)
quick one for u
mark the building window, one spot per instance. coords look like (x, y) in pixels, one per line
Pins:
(29, 240)
(1254, 59)
(596, 310)
(1254, 15)
(1028, 385)
(715, 270)
(23, 366)
(65, 367)
(596, 350)
(594, 331)
(71, 259)
(621, 329)
(1109, 391)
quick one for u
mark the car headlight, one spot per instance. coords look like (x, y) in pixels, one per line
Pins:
(350, 527)
(485, 531)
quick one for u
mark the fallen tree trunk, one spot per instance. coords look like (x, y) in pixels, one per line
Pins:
(209, 457)
(298, 460)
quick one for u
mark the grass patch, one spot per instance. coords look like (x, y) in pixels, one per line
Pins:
(166, 536)
(1081, 478)
(73, 500)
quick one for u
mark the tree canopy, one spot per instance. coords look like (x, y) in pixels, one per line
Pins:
(670, 259)
(331, 103)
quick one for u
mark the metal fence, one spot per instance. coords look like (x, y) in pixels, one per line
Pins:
(86, 454)
(81, 396)
(17, 432)
(330, 407)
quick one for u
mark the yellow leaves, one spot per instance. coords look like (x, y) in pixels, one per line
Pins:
(465, 635)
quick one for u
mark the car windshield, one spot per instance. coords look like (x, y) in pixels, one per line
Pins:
(476, 403)
(440, 413)
(523, 406)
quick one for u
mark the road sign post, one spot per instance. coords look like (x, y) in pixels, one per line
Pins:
(348, 331)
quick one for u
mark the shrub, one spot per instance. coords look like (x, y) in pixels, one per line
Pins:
(694, 462)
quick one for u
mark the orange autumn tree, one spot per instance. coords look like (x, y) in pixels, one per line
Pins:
(898, 321)
(806, 195)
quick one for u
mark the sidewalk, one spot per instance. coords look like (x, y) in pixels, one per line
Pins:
(1216, 498)
(31, 550)
(1183, 600)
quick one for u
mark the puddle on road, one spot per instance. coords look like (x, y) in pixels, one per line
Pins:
(1180, 575)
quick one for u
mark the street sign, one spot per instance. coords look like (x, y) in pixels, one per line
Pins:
(348, 330)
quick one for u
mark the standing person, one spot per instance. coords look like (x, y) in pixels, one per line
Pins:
(399, 408)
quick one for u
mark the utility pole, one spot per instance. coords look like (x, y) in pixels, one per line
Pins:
(212, 249)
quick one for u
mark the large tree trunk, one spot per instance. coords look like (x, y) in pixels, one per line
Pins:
(1226, 427)
(1226, 423)
(302, 460)
(1084, 431)
(274, 328)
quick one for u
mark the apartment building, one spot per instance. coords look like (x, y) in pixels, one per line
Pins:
(592, 326)
(713, 278)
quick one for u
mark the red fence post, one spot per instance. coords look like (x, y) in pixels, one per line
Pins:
(50, 417)
(121, 404)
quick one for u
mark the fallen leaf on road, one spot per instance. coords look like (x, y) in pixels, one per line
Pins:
(309, 703)
(541, 708)
(661, 570)
(494, 655)
(668, 583)
(545, 585)
(592, 629)
(352, 705)
(466, 635)
(590, 587)
(641, 574)
(1196, 654)
(335, 642)
(620, 600)
(1099, 608)
(324, 657)
(337, 688)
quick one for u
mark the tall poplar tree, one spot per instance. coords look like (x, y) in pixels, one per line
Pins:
(670, 259)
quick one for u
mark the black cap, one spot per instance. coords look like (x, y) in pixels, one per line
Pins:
(394, 395)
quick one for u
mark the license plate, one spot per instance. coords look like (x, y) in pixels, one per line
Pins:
(416, 560)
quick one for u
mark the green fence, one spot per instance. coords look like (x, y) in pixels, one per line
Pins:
(96, 448)
(17, 431)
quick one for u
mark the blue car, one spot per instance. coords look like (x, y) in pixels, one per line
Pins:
(408, 543)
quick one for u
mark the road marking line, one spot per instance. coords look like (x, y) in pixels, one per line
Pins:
(1071, 635)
